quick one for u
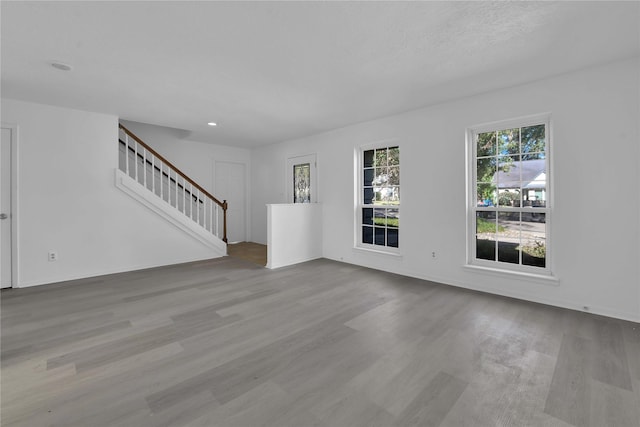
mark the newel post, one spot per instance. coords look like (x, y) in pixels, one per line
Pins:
(224, 221)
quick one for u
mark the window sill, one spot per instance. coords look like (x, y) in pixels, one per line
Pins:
(377, 252)
(538, 278)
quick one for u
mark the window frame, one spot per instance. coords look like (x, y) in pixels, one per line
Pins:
(473, 208)
(359, 197)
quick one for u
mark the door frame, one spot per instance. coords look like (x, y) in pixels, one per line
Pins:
(15, 282)
(246, 201)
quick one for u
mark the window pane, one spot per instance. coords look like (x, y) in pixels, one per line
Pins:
(509, 198)
(301, 183)
(394, 156)
(533, 156)
(486, 144)
(393, 218)
(367, 157)
(396, 196)
(368, 196)
(486, 194)
(386, 217)
(380, 192)
(535, 195)
(379, 236)
(377, 200)
(486, 169)
(367, 234)
(509, 174)
(486, 235)
(534, 232)
(381, 157)
(509, 141)
(367, 216)
(368, 177)
(533, 139)
(509, 237)
(533, 170)
(392, 237)
(388, 195)
(380, 217)
(381, 177)
(394, 175)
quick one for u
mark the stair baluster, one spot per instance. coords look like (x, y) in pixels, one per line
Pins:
(147, 161)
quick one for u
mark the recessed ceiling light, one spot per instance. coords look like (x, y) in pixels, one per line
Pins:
(61, 66)
(212, 124)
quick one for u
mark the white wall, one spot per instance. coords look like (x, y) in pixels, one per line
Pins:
(68, 203)
(294, 233)
(596, 217)
(196, 159)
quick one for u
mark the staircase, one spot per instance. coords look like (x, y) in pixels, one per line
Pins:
(156, 183)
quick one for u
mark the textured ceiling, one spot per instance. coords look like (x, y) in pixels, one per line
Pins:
(273, 71)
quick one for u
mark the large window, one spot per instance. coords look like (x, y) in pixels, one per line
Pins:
(379, 198)
(509, 195)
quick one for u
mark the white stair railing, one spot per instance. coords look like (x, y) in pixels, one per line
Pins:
(158, 175)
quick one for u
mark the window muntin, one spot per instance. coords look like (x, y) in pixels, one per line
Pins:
(379, 198)
(509, 202)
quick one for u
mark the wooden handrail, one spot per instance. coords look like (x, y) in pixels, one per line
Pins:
(223, 204)
(162, 172)
(171, 165)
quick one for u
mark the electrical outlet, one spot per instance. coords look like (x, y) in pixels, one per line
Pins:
(433, 254)
(53, 256)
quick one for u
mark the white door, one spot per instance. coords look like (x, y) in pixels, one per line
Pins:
(5, 209)
(229, 185)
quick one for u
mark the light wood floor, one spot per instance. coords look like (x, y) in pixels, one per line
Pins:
(249, 251)
(228, 343)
